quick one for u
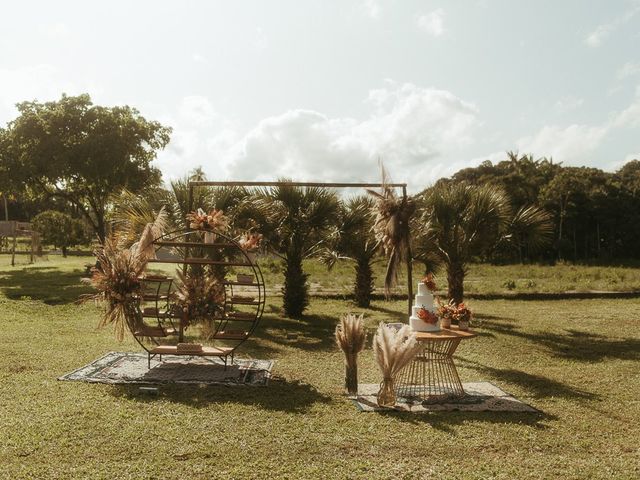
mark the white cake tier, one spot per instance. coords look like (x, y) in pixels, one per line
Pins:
(425, 301)
(422, 289)
(418, 325)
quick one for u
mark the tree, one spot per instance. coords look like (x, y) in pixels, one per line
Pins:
(295, 222)
(59, 229)
(460, 222)
(355, 241)
(84, 153)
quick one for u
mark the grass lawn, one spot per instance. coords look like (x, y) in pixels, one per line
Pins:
(576, 361)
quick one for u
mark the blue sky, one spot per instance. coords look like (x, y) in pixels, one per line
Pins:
(319, 90)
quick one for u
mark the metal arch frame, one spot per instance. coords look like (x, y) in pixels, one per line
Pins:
(409, 266)
(223, 321)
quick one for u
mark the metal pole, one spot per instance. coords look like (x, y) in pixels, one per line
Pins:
(409, 258)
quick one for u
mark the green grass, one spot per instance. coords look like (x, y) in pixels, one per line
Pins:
(576, 361)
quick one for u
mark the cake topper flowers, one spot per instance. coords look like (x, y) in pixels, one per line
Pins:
(427, 316)
(215, 220)
(429, 282)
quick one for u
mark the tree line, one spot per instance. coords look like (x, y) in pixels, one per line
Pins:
(94, 164)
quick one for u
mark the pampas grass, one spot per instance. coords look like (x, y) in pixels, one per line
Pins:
(351, 337)
(393, 350)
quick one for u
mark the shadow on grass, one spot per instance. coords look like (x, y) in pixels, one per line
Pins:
(574, 344)
(280, 395)
(47, 284)
(445, 421)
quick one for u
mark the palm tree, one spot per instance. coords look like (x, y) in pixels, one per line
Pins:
(355, 241)
(460, 222)
(295, 222)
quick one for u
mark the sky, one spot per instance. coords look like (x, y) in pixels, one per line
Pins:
(321, 90)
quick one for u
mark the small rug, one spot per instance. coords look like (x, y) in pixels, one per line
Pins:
(131, 368)
(481, 397)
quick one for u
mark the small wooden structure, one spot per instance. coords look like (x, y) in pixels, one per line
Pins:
(12, 230)
(403, 186)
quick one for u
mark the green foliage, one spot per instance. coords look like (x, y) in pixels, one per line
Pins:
(83, 153)
(296, 222)
(59, 229)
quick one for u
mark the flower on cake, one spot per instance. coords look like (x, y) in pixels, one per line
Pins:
(215, 220)
(427, 316)
(429, 282)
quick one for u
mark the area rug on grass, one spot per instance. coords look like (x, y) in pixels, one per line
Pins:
(481, 397)
(131, 368)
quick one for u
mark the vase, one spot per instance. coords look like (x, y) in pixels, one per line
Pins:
(463, 325)
(209, 237)
(386, 394)
(251, 256)
(351, 374)
(445, 322)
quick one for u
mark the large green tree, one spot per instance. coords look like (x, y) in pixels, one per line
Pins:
(461, 222)
(355, 241)
(83, 153)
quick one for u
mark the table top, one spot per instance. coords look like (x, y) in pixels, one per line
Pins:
(446, 334)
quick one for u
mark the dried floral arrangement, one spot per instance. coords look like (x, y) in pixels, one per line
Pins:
(250, 242)
(116, 276)
(391, 228)
(214, 220)
(351, 338)
(458, 313)
(199, 296)
(429, 282)
(393, 350)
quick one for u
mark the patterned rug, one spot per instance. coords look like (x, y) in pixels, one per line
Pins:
(481, 397)
(131, 368)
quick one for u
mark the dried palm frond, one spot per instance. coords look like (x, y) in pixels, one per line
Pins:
(391, 227)
(116, 277)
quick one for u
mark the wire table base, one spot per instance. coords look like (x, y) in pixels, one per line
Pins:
(432, 376)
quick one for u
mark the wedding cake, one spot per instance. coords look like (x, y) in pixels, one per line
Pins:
(423, 314)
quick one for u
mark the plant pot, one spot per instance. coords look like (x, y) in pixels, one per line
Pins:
(386, 395)
(463, 325)
(245, 278)
(445, 322)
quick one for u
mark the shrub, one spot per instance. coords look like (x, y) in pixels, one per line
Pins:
(59, 229)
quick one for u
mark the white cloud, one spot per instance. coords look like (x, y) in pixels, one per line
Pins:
(432, 23)
(199, 58)
(602, 32)
(261, 41)
(573, 143)
(629, 69)
(372, 8)
(411, 128)
(568, 103)
(566, 144)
